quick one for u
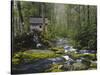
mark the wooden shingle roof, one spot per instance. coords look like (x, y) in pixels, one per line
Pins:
(36, 20)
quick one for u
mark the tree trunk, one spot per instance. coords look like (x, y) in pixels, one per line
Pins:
(20, 16)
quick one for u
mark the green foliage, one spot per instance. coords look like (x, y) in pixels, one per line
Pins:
(17, 58)
(23, 42)
(15, 61)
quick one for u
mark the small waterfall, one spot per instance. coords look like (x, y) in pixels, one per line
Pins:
(36, 40)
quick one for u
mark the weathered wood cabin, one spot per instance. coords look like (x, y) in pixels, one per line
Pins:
(38, 23)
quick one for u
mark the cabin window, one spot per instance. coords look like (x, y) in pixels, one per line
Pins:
(40, 26)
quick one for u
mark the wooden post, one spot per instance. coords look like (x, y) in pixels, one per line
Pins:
(43, 14)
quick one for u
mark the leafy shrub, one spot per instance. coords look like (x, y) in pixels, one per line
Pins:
(17, 58)
(23, 42)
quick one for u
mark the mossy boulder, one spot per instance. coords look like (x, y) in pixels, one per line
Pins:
(58, 50)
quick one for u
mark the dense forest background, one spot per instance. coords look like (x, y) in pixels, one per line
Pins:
(78, 23)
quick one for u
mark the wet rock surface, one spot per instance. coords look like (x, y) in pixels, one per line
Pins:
(38, 67)
(66, 61)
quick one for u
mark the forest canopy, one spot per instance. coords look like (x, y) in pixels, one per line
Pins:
(78, 23)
